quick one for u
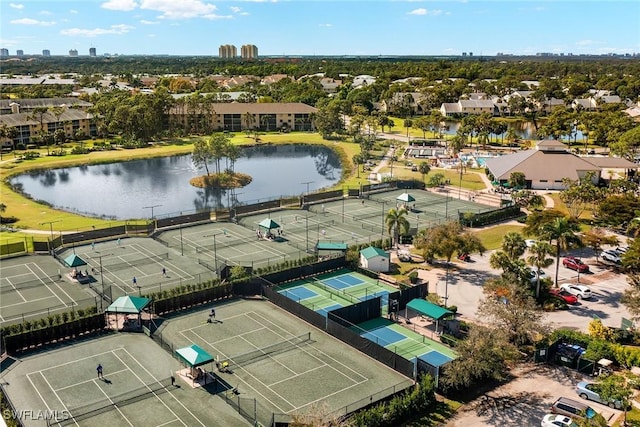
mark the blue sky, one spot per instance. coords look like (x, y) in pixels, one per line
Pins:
(299, 27)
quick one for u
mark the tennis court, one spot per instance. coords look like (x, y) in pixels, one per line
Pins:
(285, 364)
(136, 389)
(342, 288)
(405, 342)
(154, 266)
(35, 287)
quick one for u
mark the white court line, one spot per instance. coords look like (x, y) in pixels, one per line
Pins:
(88, 381)
(297, 375)
(13, 287)
(57, 286)
(326, 396)
(54, 391)
(337, 362)
(45, 284)
(30, 301)
(117, 409)
(170, 394)
(152, 392)
(271, 357)
(224, 339)
(78, 360)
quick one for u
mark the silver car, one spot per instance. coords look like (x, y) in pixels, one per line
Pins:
(581, 291)
(589, 391)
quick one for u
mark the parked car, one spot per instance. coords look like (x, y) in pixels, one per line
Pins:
(533, 275)
(572, 408)
(575, 264)
(611, 256)
(464, 257)
(580, 291)
(414, 168)
(589, 391)
(555, 420)
(620, 250)
(530, 242)
(567, 297)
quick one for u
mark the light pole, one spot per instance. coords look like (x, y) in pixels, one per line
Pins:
(446, 204)
(215, 252)
(306, 219)
(102, 278)
(342, 204)
(151, 207)
(51, 225)
(382, 232)
(181, 244)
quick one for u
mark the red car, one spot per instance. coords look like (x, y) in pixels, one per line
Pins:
(575, 264)
(564, 296)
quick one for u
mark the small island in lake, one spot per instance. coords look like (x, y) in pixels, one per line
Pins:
(222, 180)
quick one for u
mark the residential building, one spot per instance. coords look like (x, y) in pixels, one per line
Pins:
(227, 51)
(46, 52)
(405, 102)
(465, 107)
(73, 52)
(4, 52)
(20, 52)
(14, 106)
(92, 51)
(229, 116)
(249, 51)
(29, 124)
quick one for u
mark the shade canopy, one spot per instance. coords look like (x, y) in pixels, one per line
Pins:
(269, 224)
(194, 355)
(129, 305)
(405, 197)
(74, 260)
(428, 309)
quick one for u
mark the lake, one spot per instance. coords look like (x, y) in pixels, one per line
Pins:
(127, 190)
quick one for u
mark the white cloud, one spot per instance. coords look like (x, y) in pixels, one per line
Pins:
(73, 11)
(151, 35)
(45, 12)
(235, 9)
(184, 9)
(145, 22)
(114, 29)
(29, 21)
(16, 5)
(422, 11)
(326, 25)
(124, 5)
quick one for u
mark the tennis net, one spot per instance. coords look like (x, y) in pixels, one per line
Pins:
(9, 286)
(91, 410)
(131, 263)
(261, 353)
(337, 292)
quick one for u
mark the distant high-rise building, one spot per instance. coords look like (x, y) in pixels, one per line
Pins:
(46, 52)
(20, 52)
(249, 51)
(92, 51)
(73, 52)
(227, 51)
(4, 52)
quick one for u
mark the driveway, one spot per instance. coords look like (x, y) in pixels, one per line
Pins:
(526, 399)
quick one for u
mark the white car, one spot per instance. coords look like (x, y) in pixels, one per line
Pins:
(581, 291)
(530, 242)
(555, 420)
(611, 257)
(533, 275)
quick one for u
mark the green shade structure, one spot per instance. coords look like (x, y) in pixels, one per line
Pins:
(129, 305)
(194, 355)
(269, 224)
(406, 198)
(74, 260)
(428, 309)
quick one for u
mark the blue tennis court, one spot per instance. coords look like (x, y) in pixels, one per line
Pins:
(435, 358)
(298, 293)
(325, 311)
(384, 296)
(383, 336)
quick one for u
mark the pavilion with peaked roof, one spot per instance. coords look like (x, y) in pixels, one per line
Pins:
(548, 164)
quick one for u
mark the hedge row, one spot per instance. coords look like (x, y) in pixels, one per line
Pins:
(470, 219)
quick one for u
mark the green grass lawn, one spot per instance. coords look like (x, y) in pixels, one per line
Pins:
(491, 237)
(444, 410)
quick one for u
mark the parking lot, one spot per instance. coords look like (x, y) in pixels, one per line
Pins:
(465, 284)
(526, 399)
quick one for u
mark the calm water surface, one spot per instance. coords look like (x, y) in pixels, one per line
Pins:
(128, 189)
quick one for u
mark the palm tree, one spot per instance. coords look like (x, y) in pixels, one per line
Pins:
(564, 232)
(397, 223)
(249, 121)
(408, 123)
(539, 260)
(424, 169)
(513, 245)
